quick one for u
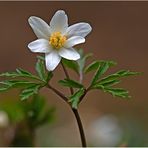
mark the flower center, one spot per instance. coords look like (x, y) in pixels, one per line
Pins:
(57, 40)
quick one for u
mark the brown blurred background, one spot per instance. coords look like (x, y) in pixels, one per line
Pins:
(120, 33)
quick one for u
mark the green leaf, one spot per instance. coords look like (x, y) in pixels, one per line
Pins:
(70, 83)
(40, 68)
(2, 89)
(7, 84)
(30, 91)
(23, 72)
(125, 73)
(107, 83)
(119, 92)
(19, 73)
(75, 98)
(9, 74)
(116, 76)
(71, 64)
(93, 66)
(103, 67)
(49, 76)
(77, 66)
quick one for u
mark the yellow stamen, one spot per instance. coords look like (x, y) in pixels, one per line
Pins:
(57, 40)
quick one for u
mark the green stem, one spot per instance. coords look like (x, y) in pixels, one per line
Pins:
(80, 125)
(75, 111)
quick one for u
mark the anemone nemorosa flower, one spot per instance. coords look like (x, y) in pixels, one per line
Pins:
(57, 39)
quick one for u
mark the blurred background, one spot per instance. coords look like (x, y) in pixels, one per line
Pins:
(120, 33)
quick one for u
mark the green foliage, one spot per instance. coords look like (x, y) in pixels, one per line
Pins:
(116, 76)
(34, 111)
(103, 66)
(75, 98)
(106, 84)
(71, 65)
(119, 92)
(40, 68)
(7, 84)
(37, 111)
(79, 65)
(30, 91)
(93, 66)
(116, 92)
(32, 83)
(19, 73)
(70, 83)
(100, 67)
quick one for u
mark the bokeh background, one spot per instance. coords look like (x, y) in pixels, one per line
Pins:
(120, 33)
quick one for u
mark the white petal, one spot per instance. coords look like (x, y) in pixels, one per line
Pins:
(52, 60)
(79, 29)
(59, 22)
(40, 27)
(40, 45)
(70, 54)
(74, 41)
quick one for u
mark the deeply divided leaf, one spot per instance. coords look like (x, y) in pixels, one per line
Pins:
(19, 73)
(114, 78)
(107, 82)
(71, 64)
(8, 84)
(103, 67)
(118, 92)
(93, 66)
(29, 91)
(30, 87)
(75, 98)
(40, 68)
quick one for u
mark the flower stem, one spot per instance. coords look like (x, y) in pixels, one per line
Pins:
(67, 76)
(81, 130)
(75, 111)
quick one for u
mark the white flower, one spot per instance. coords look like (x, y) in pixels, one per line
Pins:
(57, 39)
